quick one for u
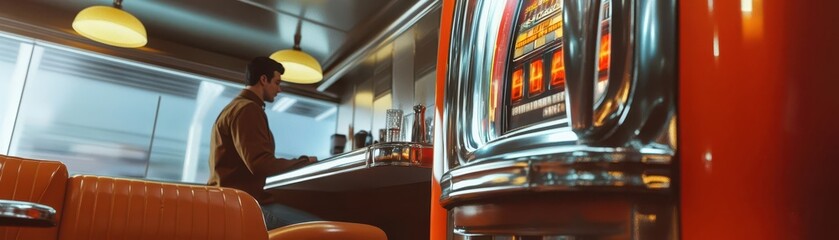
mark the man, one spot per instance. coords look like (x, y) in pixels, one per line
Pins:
(242, 146)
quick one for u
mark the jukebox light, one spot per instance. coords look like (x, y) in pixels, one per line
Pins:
(557, 70)
(518, 78)
(111, 25)
(536, 81)
(605, 52)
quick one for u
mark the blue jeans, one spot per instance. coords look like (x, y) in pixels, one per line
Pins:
(278, 215)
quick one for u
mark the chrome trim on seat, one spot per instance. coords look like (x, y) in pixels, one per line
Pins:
(26, 214)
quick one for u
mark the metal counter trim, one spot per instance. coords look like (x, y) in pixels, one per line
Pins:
(403, 154)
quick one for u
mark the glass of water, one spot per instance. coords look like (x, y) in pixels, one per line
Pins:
(393, 124)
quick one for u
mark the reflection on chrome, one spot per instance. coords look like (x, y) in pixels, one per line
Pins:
(462, 234)
(337, 164)
(746, 6)
(656, 181)
(494, 179)
(27, 214)
(642, 220)
(405, 154)
(672, 133)
(401, 154)
(579, 168)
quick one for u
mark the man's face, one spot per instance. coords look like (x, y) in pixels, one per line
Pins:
(272, 88)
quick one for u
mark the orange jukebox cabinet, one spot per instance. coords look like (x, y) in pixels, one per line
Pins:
(559, 119)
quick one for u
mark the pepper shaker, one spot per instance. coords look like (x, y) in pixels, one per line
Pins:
(418, 133)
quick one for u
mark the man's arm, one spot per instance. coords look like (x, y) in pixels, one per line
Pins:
(251, 138)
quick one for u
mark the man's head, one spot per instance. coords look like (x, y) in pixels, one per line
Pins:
(263, 76)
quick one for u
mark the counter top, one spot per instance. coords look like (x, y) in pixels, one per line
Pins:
(379, 165)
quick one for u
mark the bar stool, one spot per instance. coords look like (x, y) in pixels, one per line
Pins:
(327, 230)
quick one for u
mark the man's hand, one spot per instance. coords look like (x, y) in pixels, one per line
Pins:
(291, 164)
(309, 159)
(302, 161)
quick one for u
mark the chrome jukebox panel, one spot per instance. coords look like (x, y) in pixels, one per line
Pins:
(611, 127)
(634, 77)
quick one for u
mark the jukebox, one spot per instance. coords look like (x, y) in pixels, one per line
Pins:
(559, 120)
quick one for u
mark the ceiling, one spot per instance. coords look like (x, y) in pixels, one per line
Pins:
(218, 37)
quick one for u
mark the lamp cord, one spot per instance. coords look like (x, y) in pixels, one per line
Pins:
(297, 36)
(118, 4)
(297, 39)
(299, 25)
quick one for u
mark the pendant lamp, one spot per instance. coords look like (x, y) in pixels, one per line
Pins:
(300, 67)
(111, 25)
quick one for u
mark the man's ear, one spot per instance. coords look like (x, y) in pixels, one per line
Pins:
(265, 79)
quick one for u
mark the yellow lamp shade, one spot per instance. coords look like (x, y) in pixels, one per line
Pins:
(110, 26)
(299, 66)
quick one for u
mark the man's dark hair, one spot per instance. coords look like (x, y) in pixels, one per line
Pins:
(261, 66)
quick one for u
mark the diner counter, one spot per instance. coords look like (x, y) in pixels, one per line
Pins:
(379, 165)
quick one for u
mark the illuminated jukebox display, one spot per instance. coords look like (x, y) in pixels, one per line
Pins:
(560, 121)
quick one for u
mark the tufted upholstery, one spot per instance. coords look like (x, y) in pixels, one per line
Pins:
(32, 181)
(96, 207)
(113, 208)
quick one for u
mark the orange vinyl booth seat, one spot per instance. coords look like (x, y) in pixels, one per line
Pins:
(96, 207)
(106, 208)
(32, 181)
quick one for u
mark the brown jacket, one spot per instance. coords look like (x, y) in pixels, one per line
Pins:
(242, 148)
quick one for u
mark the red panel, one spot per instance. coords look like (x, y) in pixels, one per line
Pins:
(758, 117)
(438, 213)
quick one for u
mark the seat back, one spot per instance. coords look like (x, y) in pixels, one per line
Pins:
(99, 207)
(32, 181)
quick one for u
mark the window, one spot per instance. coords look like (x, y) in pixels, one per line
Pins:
(107, 116)
(14, 60)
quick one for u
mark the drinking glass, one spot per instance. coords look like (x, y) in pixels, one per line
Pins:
(393, 124)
